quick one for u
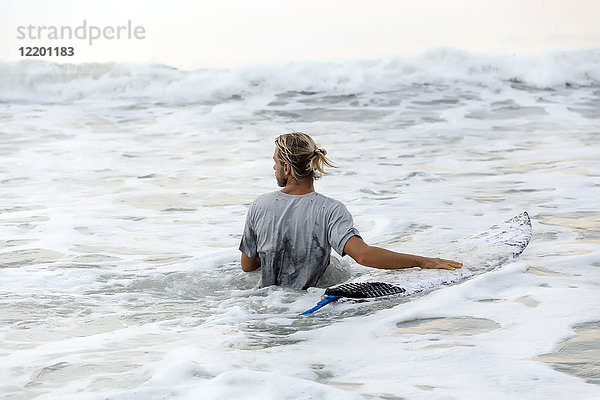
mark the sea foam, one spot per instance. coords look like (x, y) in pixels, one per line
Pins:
(42, 81)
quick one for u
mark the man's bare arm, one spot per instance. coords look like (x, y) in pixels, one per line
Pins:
(377, 257)
(250, 264)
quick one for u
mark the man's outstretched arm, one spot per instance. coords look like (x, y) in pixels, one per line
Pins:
(250, 264)
(377, 257)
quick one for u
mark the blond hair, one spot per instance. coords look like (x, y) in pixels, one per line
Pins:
(302, 154)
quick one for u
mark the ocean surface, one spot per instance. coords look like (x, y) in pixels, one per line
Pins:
(124, 189)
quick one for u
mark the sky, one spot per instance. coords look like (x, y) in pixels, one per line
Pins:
(191, 34)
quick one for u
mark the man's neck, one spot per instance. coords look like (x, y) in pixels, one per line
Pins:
(299, 187)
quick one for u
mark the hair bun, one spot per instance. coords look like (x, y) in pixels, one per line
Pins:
(319, 151)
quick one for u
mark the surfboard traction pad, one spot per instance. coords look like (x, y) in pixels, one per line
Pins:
(361, 290)
(512, 237)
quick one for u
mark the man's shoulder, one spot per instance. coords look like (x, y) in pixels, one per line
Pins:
(331, 206)
(328, 200)
(263, 200)
(266, 199)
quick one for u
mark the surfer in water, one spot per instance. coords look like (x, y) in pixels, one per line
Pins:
(289, 233)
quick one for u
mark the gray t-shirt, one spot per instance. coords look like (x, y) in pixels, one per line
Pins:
(293, 236)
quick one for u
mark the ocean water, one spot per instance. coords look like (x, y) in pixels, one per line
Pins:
(124, 189)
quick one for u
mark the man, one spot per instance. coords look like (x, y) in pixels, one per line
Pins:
(290, 233)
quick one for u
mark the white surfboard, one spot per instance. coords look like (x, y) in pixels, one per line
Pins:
(479, 253)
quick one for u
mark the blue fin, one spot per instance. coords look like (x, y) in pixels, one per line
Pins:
(324, 301)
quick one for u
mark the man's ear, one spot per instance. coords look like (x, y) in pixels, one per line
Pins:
(287, 168)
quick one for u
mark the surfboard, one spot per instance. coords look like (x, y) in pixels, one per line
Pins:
(479, 253)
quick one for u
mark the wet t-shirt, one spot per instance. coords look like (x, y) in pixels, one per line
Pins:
(293, 235)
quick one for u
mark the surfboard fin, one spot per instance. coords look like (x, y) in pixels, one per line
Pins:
(324, 301)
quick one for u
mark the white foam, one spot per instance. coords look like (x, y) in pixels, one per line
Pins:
(45, 81)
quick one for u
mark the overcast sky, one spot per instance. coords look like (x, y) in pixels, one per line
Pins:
(227, 33)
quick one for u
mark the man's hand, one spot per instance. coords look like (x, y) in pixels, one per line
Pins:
(439, 263)
(250, 264)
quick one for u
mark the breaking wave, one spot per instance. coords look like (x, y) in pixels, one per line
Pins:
(42, 81)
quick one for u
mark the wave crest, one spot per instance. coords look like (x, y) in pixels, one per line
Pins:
(42, 81)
